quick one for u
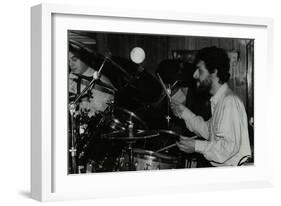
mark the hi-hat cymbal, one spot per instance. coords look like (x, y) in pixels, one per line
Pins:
(169, 132)
(124, 135)
(122, 117)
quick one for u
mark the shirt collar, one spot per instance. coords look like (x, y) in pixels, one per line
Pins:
(219, 94)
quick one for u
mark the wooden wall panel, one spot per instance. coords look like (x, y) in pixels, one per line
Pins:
(238, 70)
(158, 48)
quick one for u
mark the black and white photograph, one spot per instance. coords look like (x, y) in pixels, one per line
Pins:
(140, 103)
(156, 102)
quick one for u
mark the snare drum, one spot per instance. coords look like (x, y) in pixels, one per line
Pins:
(148, 160)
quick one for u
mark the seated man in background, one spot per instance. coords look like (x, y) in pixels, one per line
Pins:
(226, 132)
(83, 68)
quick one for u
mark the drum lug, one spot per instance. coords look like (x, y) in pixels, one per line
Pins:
(136, 164)
(117, 164)
(148, 166)
(159, 167)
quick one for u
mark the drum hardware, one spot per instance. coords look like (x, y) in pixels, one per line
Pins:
(130, 138)
(72, 150)
(122, 124)
(126, 127)
(130, 135)
(96, 166)
(99, 84)
(118, 122)
(168, 92)
(132, 117)
(136, 160)
(72, 108)
(96, 78)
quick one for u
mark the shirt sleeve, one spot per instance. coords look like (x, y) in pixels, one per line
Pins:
(227, 133)
(195, 123)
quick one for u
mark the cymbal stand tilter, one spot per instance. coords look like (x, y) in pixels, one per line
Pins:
(168, 92)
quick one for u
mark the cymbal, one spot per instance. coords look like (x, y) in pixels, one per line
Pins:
(169, 132)
(99, 84)
(131, 116)
(122, 117)
(138, 135)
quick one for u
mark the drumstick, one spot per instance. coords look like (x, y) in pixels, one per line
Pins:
(163, 85)
(185, 137)
(172, 145)
(174, 83)
(164, 148)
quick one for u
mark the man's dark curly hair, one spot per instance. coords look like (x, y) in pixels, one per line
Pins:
(215, 59)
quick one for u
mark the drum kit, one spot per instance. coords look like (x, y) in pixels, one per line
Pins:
(120, 140)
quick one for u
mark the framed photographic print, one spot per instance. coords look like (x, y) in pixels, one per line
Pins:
(138, 102)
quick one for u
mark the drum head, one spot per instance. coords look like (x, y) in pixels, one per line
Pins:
(150, 155)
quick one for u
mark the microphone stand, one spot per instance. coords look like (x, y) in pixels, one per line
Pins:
(72, 108)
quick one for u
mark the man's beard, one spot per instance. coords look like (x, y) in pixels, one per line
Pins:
(205, 85)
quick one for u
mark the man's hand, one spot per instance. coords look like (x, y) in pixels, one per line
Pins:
(177, 108)
(186, 145)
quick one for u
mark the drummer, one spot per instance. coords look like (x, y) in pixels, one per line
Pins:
(226, 132)
(81, 71)
(177, 76)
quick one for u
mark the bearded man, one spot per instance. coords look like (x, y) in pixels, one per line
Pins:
(226, 132)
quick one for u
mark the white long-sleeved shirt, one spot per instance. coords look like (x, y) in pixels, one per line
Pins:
(226, 132)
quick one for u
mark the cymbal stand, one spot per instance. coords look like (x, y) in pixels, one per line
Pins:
(168, 92)
(168, 117)
(72, 149)
(130, 148)
(72, 107)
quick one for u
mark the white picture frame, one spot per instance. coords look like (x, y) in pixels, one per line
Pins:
(49, 179)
